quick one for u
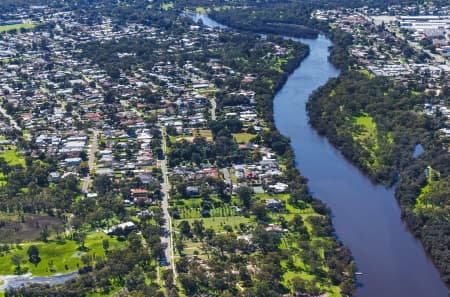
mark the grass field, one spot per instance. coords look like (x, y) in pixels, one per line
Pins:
(370, 127)
(167, 6)
(11, 156)
(217, 223)
(16, 27)
(202, 10)
(367, 73)
(243, 137)
(277, 62)
(203, 133)
(421, 200)
(207, 90)
(368, 137)
(192, 212)
(58, 257)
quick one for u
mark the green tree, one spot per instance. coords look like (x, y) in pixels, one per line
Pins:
(168, 278)
(245, 195)
(198, 228)
(105, 244)
(185, 228)
(33, 254)
(45, 233)
(17, 260)
(80, 238)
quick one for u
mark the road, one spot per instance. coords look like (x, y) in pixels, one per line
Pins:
(167, 239)
(16, 281)
(12, 121)
(213, 108)
(91, 162)
(226, 176)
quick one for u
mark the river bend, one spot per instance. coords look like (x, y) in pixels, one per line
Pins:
(366, 216)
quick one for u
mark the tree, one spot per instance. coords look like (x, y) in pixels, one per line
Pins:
(245, 195)
(266, 241)
(33, 254)
(260, 211)
(179, 245)
(168, 278)
(45, 233)
(105, 244)
(17, 259)
(80, 238)
(87, 260)
(135, 279)
(185, 228)
(102, 184)
(198, 228)
(84, 168)
(297, 284)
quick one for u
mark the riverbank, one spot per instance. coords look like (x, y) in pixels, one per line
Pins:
(385, 149)
(379, 131)
(366, 216)
(297, 183)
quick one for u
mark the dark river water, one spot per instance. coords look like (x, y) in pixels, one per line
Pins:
(366, 216)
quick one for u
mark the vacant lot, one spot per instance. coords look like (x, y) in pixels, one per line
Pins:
(14, 228)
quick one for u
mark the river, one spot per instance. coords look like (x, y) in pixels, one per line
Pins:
(366, 216)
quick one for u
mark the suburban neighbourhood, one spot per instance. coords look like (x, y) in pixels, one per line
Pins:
(139, 154)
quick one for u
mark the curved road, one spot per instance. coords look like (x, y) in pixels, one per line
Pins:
(16, 281)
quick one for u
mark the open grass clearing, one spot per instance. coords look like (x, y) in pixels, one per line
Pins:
(367, 73)
(243, 137)
(217, 223)
(368, 125)
(16, 27)
(58, 257)
(207, 91)
(207, 134)
(11, 156)
(167, 6)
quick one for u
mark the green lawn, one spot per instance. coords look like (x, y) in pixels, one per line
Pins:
(207, 90)
(243, 137)
(368, 124)
(12, 157)
(203, 133)
(167, 6)
(217, 223)
(16, 27)
(61, 254)
(433, 181)
(367, 73)
(368, 136)
(202, 10)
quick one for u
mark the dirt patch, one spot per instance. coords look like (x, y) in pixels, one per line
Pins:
(14, 228)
